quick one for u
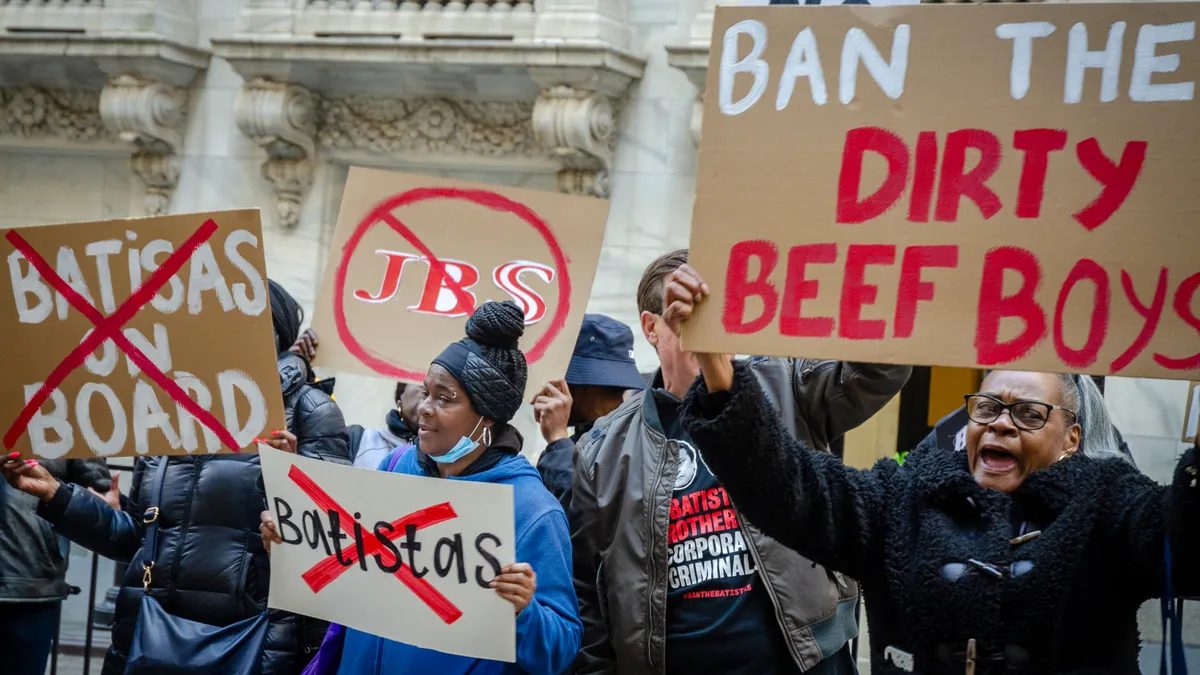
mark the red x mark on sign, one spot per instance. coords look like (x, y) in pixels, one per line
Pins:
(109, 328)
(323, 573)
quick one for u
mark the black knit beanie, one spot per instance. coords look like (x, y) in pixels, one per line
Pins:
(286, 317)
(488, 363)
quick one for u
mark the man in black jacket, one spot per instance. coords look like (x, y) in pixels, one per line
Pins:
(33, 569)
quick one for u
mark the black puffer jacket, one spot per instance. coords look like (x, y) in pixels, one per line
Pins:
(1062, 602)
(311, 413)
(33, 567)
(211, 564)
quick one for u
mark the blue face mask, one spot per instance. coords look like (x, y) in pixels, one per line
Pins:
(462, 448)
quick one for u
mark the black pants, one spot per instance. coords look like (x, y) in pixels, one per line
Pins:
(27, 630)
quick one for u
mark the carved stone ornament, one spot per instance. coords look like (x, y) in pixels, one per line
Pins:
(434, 126)
(579, 128)
(280, 118)
(150, 116)
(35, 113)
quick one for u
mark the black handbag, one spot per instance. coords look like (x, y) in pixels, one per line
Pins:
(168, 645)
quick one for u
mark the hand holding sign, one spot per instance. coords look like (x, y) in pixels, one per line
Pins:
(516, 583)
(270, 533)
(684, 289)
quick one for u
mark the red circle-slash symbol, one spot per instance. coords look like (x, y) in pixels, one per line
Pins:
(382, 213)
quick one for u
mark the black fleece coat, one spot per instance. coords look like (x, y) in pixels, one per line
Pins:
(1063, 602)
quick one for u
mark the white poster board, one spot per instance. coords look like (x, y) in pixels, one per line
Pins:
(425, 585)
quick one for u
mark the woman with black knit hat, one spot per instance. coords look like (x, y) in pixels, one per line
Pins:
(471, 392)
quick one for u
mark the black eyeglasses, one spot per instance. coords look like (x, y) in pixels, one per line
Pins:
(1027, 415)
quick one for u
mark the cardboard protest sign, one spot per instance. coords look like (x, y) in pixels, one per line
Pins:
(414, 255)
(866, 192)
(149, 336)
(1191, 419)
(402, 557)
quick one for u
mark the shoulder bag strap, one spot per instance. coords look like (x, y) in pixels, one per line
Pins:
(150, 520)
(396, 455)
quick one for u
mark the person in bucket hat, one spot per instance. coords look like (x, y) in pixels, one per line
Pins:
(601, 371)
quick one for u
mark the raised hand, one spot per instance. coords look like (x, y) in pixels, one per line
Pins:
(552, 409)
(113, 496)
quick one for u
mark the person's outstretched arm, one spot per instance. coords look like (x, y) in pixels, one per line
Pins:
(805, 499)
(90, 522)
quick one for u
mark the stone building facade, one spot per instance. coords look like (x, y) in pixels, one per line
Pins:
(113, 108)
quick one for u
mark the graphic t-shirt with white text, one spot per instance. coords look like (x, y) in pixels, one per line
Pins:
(720, 618)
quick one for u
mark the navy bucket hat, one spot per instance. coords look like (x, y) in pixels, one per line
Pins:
(603, 355)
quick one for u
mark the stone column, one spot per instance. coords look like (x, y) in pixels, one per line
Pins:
(150, 116)
(281, 118)
(579, 127)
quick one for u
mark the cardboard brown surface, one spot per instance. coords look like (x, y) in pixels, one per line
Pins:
(207, 331)
(770, 171)
(395, 329)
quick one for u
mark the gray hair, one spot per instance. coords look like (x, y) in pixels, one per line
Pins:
(1097, 438)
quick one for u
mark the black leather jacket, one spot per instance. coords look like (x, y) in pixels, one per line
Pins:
(620, 511)
(33, 565)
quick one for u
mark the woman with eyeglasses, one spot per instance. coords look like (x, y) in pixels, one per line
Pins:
(1031, 552)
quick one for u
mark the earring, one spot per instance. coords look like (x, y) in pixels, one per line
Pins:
(487, 437)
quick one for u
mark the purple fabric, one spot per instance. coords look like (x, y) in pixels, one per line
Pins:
(396, 455)
(330, 655)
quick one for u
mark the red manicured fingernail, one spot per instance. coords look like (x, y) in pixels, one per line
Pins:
(32, 462)
(276, 433)
(14, 455)
(260, 440)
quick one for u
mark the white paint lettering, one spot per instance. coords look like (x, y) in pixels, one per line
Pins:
(1146, 62)
(100, 250)
(752, 63)
(67, 267)
(27, 282)
(83, 415)
(198, 392)
(54, 420)
(858, 48)
(229, 382)
(1079, 59)
(164, 304)
(802, 61)
(148, 414)
(159, 352)
(1022, 35)
(205, 275)
(254, 303)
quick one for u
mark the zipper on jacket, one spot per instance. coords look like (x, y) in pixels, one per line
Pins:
(652, 549)
(787, 638)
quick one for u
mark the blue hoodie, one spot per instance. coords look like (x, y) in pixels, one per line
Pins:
(548, 630)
